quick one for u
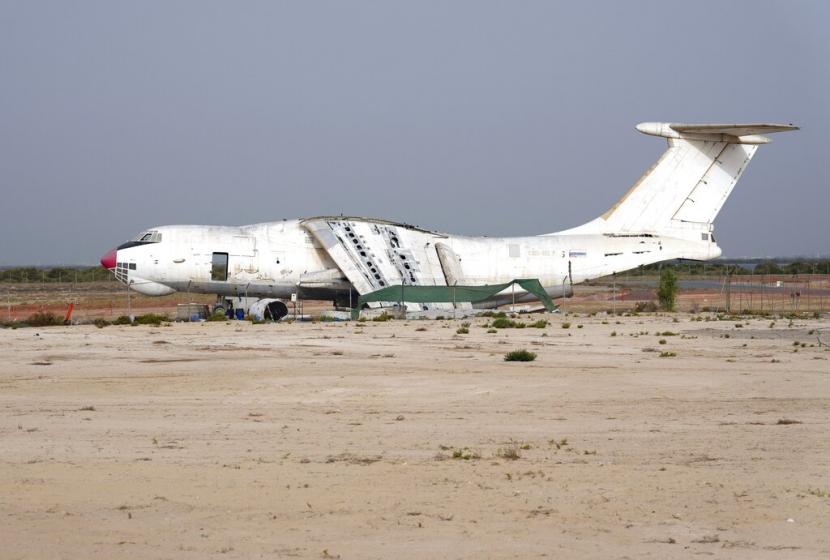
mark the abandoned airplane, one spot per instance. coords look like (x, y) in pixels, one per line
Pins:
(667, 214)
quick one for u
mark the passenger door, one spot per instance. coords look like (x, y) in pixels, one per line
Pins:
(219, 267)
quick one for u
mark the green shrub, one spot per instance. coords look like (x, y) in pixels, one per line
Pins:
(217, 316)
(44, 320)
(519, 356)
(382, 318)
(465, 454)
(566, 325)
(667, 291)
(153, 319)
(645, 307)
(462, 330)
(494, 314)
(540, 324)
(122, 320)
(503, 323)
(101, 323)
(511, 452)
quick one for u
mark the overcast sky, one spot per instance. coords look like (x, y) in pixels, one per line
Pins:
(493, 118)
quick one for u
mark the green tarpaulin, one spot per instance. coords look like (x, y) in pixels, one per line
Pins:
(450, 294)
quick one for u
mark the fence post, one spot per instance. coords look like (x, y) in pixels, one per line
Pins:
(729, 290)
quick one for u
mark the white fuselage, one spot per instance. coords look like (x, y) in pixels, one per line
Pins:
(667, 214)
(280, 258)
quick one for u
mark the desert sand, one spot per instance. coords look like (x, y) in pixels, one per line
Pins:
(407, 440)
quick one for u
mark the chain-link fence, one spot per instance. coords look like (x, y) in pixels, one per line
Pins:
(755, 293)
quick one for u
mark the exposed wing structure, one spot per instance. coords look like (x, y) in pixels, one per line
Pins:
(374, 254)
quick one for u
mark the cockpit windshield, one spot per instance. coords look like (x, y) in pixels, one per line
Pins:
(143, 238)
(151, 236)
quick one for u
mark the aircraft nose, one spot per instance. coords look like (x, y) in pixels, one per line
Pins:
(108, 260)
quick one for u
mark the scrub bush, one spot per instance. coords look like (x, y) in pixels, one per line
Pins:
(44, 320)
(519, 356)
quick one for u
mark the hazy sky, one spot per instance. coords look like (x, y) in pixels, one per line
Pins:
(496, 118)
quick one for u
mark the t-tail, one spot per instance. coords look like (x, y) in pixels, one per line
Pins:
(680, 195)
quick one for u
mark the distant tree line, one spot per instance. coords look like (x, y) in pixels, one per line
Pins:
(33, 274)
(760, 267)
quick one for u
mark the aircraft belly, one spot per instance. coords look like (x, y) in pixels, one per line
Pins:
(250, 289)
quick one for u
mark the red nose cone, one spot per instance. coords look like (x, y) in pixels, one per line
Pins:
(108, 260)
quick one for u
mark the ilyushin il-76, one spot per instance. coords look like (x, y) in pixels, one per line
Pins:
(667, 214)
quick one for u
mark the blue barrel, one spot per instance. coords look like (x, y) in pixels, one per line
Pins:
(240, 314)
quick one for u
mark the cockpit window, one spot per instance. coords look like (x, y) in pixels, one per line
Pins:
(143, 238)
(151, 236)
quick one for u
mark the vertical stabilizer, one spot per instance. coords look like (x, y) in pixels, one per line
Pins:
(682, 193)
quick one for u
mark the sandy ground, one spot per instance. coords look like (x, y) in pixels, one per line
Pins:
(337, 441)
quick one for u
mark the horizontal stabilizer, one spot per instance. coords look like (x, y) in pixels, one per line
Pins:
(745, 133)
(734, 129)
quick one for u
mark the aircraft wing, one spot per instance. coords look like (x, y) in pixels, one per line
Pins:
(374, 254)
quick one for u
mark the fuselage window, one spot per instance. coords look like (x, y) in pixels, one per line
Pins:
(132, 266)
(219, 267)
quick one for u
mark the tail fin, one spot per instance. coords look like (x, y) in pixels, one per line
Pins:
(682, 193)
